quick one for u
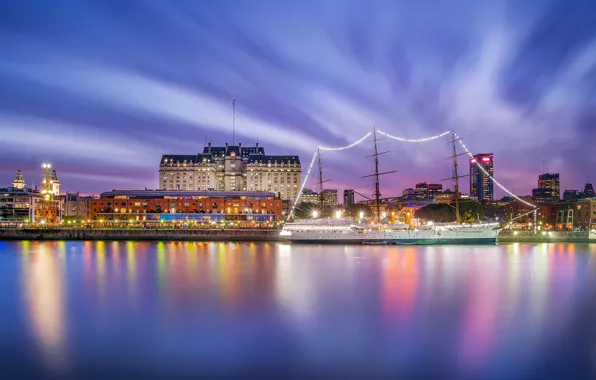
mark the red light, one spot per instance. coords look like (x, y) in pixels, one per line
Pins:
(485, 159)
(473, 160)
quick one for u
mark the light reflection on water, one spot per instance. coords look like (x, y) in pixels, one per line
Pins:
(509, 311)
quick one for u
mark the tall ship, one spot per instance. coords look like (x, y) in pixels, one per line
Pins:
(344, 231)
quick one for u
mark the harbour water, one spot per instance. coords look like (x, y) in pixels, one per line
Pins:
(99, 310)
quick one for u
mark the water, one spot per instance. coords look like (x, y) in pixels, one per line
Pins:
(105, 310)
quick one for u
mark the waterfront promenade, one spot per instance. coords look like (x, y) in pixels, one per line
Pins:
(183, 234)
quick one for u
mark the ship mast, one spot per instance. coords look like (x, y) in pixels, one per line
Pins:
(456, 175)
(321, 182)
(377, 174)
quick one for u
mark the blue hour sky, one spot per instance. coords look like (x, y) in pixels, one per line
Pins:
(103, 88)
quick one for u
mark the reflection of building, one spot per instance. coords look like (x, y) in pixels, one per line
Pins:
(348, 197)
(309, 196)
(75, 206)
(481, 186)
(329, 197)
(231, 168)
(156, 205)
(548, 188)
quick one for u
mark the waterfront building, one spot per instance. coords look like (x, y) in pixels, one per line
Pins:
(329, 197)
(232, 168)
(17, 203)
(481, 186)
(76, 206)
(348, 197)
(569, 215)
(181, 205)
(48, 209)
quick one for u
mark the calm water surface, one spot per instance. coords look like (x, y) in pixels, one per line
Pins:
(110, 310)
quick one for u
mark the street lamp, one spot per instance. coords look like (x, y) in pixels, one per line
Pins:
(338, 214)
(315, 214)
(361, 215)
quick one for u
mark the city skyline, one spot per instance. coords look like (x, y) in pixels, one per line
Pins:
(104, 114)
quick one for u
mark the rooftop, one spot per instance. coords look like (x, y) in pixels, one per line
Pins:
(184, 193)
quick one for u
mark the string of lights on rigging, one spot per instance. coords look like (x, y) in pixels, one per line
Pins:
(402, 139)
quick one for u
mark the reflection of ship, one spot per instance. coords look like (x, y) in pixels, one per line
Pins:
(344, 231)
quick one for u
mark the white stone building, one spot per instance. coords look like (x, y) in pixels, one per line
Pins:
(232, 168)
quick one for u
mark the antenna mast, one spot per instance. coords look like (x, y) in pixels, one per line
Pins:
(233, 121)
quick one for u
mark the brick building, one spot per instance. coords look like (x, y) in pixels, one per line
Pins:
(156, 205)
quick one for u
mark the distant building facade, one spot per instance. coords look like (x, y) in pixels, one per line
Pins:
(429, 190)
(309, 196)
(232, 168)
(18, 203)
(548, 188)
(75, 206)
(348, 197)
(329, 197)
(481, 186)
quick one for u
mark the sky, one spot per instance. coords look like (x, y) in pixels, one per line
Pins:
(102, 89)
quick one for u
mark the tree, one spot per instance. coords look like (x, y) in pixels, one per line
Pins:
(436, 212)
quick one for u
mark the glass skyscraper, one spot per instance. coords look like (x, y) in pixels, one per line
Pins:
(481, 186)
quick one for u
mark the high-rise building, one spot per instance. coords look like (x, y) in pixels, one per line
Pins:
(232, 168)
(481, 186)
(348, 197)
(329, 197)
(548, 188)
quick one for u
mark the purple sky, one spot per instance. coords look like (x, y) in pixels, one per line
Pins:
(102, 89)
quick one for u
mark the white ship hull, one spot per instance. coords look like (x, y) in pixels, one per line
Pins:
(346, 233)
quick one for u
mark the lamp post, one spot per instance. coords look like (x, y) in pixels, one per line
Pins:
(315, 214)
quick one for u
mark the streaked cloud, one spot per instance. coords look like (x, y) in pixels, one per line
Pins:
(89, 83)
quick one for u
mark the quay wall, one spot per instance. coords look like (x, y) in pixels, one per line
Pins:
(507, 236)
(140, 234)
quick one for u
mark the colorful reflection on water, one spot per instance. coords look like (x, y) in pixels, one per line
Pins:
(81, 309)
